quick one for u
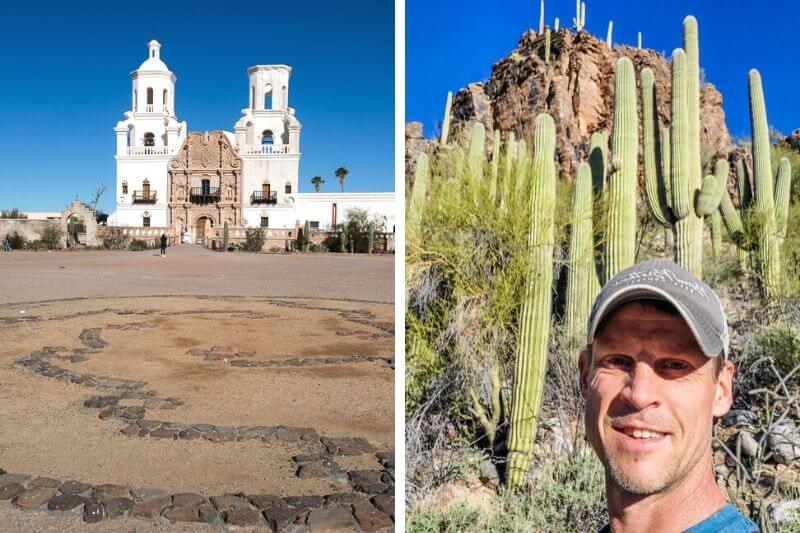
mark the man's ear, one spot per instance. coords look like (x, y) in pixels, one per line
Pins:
(584, 362)
(723, 396)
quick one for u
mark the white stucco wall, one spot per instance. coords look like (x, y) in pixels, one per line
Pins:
(319, 207)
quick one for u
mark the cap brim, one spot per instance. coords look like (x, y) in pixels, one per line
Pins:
(702, 331)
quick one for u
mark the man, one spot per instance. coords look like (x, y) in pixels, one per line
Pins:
(163, 245)
(7, 244)
(654, 375)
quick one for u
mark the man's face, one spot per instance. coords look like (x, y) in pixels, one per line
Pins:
(651, 396)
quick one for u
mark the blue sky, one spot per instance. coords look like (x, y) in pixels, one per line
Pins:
(65, 69)
(450, 44)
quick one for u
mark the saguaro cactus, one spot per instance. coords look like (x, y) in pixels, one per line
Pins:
(782, 189)
(764, 202)
(609, 34)
(620, 248)
(695, 168)
(598, 149)
(343, 239)
(225, 236)
(534, 326)
(370, 237)
(582, 282)
(547, 46)
(476, 155)
(655, 185)
(446, 120)
(419, 193)
(541, 17)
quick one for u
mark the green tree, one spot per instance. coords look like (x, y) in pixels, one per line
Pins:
(317, 181)
(341, 173)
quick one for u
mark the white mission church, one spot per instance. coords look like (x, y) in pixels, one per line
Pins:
(170, 178)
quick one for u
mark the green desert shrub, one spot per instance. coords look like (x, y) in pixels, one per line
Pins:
(17, 241)
(358, 222)
(12, 213)
(50, 236)
(112, 238)
(460, 517)
(254, 239)
(137, 245)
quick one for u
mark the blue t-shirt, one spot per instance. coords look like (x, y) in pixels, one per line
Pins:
(726, 520)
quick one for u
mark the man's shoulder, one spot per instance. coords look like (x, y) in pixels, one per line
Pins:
(726, 520)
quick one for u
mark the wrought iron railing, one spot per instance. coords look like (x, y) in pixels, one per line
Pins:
(261, 197)
(144, 197)
(202, 195)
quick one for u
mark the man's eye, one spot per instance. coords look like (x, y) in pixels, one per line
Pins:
(616, 361)
(675, 365)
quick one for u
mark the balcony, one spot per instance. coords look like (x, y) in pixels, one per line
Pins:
(149, 150)
(265, 149)
(144, 197)
(260, 197)
(200, 195)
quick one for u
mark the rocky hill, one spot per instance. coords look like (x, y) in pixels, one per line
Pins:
(576, 88)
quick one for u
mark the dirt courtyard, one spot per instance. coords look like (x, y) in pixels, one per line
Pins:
(232, 389)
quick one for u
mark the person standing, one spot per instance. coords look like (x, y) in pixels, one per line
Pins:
(163, 245)
(6, 244)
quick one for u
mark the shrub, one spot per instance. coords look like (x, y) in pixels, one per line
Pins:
(358, 221)
(112, 238)
(17, 241)
(50, 235)
(254, 239)
(12, 213)
(137, 245)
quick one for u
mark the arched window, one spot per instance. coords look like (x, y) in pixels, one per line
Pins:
(124, 187)
(285, 96)
(165, 98)
(268, 97)
(288, 188)
(249, 134)
(149, 96)
(149, 139)
(131, 136)
(266, 137)
(252, 97)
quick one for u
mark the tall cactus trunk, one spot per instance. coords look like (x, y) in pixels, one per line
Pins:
(621, 242)
(534, 327)
(582, 277)
(446, 120)
(695, 238)
(764, 204)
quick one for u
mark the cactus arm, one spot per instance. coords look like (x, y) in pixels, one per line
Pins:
(534, 328)
(731, 218)
(679, 131)
(556, 24)
(476, 155)
(598, 147)
(655, 190)
(665, 161)
(715, 227)
(541, 17)
(547, 46)
(495, 167)
(743, 184)
(782, 190)
(610, 31)
(581, 268)
(620, 249)
(712, 189)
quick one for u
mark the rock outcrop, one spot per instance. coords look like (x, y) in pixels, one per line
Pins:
(577, 89)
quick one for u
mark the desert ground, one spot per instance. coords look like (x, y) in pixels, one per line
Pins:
(204, 390)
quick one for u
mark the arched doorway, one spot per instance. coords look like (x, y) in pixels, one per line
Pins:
(200, 227)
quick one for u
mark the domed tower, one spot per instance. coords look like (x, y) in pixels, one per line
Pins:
(147, 137)
(268, 141)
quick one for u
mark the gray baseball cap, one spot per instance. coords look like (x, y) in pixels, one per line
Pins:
(661, 279)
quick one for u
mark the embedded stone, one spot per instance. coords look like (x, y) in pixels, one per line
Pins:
(189, 434)
(151, 508)
(208, 513)
(370, 518)
(335, 517)
(229, 502)
(116, 507)
(386, 459)
(305, 503)
(34, 498)
(45, 482)
(259, 432)
(263, 501)
(221, 435)
(131, 430)
(108, 492)
(203, 428)
(344, 498)
(278, 518)
(242, 517)
(384, 503)
(316, 469)
(186, 499)
(13, 478)
(11, 490)
(93, 511)
(151, 403)
(133, 412)
(145, 495)
(65, 502)
(372, 488)
(74, 487)
(148, 425)
(164, 433)
(183, 513)
(364, 477)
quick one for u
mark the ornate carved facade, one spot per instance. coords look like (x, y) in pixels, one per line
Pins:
(205, 181)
